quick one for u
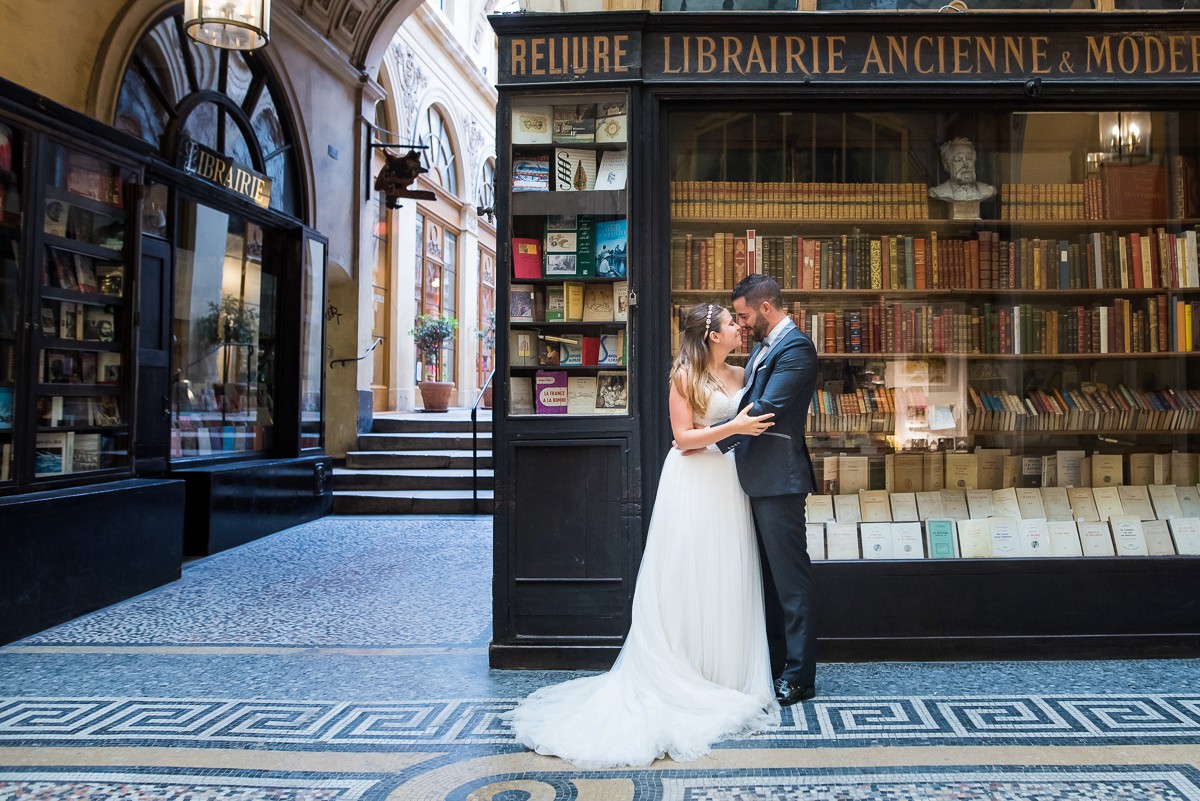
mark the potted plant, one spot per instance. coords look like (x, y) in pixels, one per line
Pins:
(487, 346)
(430, 333)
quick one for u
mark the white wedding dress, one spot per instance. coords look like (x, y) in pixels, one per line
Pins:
(694, 668)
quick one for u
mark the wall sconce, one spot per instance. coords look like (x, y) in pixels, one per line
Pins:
(228, 24)
(1125, 136)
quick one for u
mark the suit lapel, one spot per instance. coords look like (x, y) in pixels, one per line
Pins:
(773, 353)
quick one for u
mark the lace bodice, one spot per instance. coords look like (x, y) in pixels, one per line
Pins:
(720, 407)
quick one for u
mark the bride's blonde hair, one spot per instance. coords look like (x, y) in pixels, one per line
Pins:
(690, 374)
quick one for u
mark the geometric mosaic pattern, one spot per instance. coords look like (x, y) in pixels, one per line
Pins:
(828, 722)
(57, 785)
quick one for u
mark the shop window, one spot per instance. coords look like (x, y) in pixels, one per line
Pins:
(312, 346)
(436, 292)
(225, 383)
(973, 5)
(242, 119)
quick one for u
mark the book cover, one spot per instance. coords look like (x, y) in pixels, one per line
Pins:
(99, 323)
(556, 304)
(1108, 502)
(585, 247)
(876, 540)
(598, 303)
(875, 506)
(612, 171)
(1185, 531)
(620, 293)
(929, 505)
(1135, 500)
(1064, 538)
(573, 297)
(527, 257)
(906, 540)
(56, 215)
(560, 241)
(1158, 538)
(550, 392)
(612, 121)
(1005, 542)
(522, 349)
(962, 471)
(1096, 539)
(934, 475)
(532, 125)
(520, 303)
(841, 540)
(954, 504)
(85, 273)
(1005, 504)
(974, 539)
(1189, 499)
(531, 174)
(1056, 503)
(1128, 537)
(612, 392)
(979, 503)
(1107, 470)
(6, 408)
(574, 123)
(819, 509)
(846, 508)
(904, 507)
(814, 541)
(548, 352)
(1166, 503)
(520, 395)
(611, 349)
(853, 474)
(52, 453)
(570, 350)
(904, 472)
(85, 455)
(574, 170)
(941, 538)
(611, 248)
(581, 394)
(1033, 538)
(561, 265)
(1135, 192)
(1083, 505)
(108, 367)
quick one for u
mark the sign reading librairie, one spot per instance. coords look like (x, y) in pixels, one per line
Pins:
(219, 170)
(853, 55)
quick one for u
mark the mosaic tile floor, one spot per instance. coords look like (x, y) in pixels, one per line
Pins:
(347, 659)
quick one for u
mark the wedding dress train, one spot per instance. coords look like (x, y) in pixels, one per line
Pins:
(694, 668)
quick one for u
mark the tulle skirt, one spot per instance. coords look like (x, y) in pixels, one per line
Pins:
(695, 668)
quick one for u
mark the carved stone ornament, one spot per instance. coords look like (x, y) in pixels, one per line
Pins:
(413, 83)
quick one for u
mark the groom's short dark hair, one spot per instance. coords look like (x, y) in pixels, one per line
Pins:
(757, 288)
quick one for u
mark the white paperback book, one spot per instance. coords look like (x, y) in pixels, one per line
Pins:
(1186, 533)
(904, 507)
(1058, 506)
(846, 508)
(1166, 503)
(1069, 468)
(929, 505)
(1128, 537)
(1189, 499)
(979, 503)
(819, 509)
(954, 504)
(1158, 538)
(1096, 539)
(1108, 502)
(1029, 499)
(876, 540)
(841, 541)
(907, 541)
(1135, 500)
(1005, 541)
(613, 167)
(1083, 505)
(1004, 502)
(974, 539)
(875, 506)
(1064, 538)
(1034, 537)
(814, 535)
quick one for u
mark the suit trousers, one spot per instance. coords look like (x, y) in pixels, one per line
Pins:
(788, 591)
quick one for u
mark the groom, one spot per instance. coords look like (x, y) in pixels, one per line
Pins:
(777, 474)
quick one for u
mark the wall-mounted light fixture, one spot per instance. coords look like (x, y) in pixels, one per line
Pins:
(1125, 136)
(228, 24)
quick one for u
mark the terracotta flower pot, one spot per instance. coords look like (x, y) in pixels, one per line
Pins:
(487, 398)
(435, 395)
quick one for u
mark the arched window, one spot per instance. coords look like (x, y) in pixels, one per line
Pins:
(485, 198)
(225, 100)
(439, 155)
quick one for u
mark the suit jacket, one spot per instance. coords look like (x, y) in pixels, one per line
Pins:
(777, 461)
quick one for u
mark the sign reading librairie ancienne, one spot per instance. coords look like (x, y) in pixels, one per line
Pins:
(852, 56)
(220, 170)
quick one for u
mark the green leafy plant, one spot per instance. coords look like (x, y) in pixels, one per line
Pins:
(232, 320)
(430, 332)
(487, 334)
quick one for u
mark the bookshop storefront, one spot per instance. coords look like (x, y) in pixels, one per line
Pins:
(985, 222)
(161, 331)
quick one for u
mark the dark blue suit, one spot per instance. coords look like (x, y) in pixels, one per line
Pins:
(776, 472)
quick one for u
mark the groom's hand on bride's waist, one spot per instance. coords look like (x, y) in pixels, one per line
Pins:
(687, 452)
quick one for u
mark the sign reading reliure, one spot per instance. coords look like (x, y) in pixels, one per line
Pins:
(220, 170)
(850, 56)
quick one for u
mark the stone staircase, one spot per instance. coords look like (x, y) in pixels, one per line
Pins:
(416, 464)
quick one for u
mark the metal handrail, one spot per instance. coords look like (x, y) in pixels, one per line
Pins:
(475, 441)
(374, 345)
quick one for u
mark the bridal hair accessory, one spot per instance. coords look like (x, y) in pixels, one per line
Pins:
(708, 318)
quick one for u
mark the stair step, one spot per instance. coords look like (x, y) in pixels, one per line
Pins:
(425, 441)
(413, 502)
(432, 423)
(415, 460)
(349, 479)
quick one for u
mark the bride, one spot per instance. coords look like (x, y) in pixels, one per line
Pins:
(694, 668)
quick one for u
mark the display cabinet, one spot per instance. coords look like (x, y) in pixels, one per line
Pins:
(12, 187)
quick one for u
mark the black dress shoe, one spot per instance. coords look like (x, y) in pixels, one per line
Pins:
(787, 693)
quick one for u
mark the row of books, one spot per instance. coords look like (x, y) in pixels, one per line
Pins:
(555, 392)
(193, 437)
(1150, 259)
(81, 273)
(822, 200)
(571, 301)
(83, 225)
(570, 123)
(536, 349)
(1079, 504)
(74, 452)
(79, 367)
(575, 246)
(1090, 407)
(77, 411)
(83, 321)
(1155, 324)
(865, 410)
(572, 170)
(1045, 202)
(1001, 537)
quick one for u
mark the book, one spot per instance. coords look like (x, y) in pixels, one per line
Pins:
(1189, 499)
(531, 174)
(57, 213)
(570, 350)
(550, 388)
(941, 538)
(1004, 503)
(1134, 192)
(611, 248)
(85, 453)
(876, 540)
(52, 453)
(1108, 502)
(1166, 504)
(581, 394)
(612, 121)
(520, 303)
(1005, 542)
(574, 170)
(520, 395)
(1096, 539)
(962, 471)
(1069, 469)
(1083, 504)
(532, 125)
(1033, 537)
(1185, 531)
(1128, 537)
(99, 324)
(549, 352)
(979, 503)
(1064, 538)
(1029, 502)
(573, 292)
(841, 540)
(611, 174)
(929, 505)
(1107, 470)
(574, 123)
(954, 504)
(814, 541)
(612, 393)
(904, 507)
(846, 508)
(904, 472)
(819, 508)
(1056, 504)
(853, 474)
(974, 539)
(6, 408)
(597, 303)
(108, 367)
(561, 265)
(906, 540)
(875, 506)
(1158, 538)
(620, 293)
(1135, 500)
(934, 474)
(85, 273)
(556, 304)
(527, 257)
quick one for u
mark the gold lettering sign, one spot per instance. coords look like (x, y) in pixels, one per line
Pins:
(212, 167)
(601, 55)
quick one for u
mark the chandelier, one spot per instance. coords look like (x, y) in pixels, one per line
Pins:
(228, 24)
